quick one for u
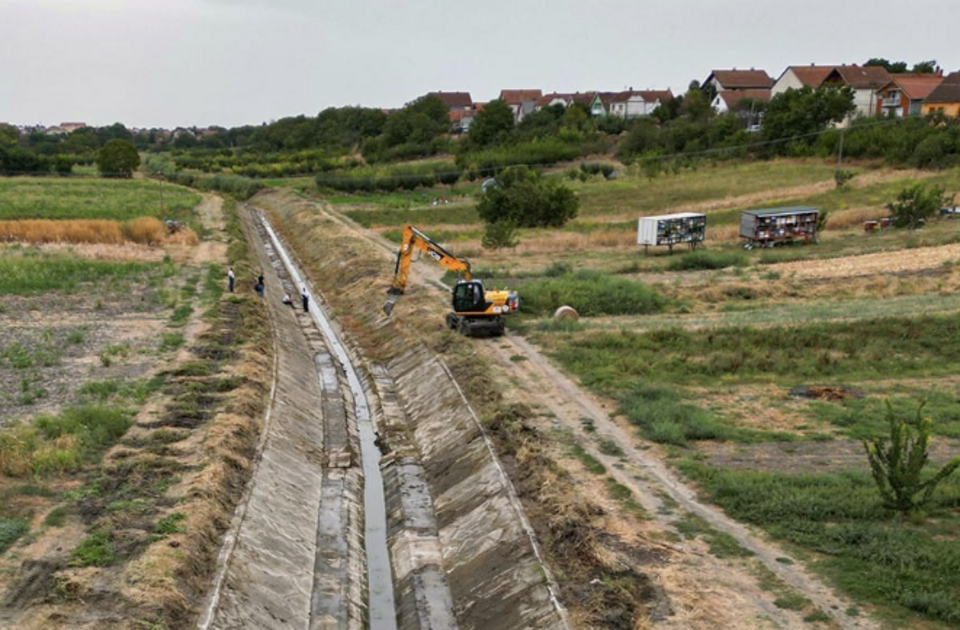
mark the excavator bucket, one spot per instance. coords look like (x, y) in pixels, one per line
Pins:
(392, 298)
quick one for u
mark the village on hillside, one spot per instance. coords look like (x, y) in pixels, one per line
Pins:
(877, 92)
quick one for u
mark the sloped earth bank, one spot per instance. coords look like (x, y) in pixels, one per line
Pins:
(438, 396)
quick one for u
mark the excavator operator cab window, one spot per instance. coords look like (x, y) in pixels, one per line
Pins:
(468, 296)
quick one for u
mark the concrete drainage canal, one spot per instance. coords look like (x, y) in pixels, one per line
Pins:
(334, 534)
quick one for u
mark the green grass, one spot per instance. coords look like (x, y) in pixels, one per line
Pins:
(624, 496)
(867, 349)
(708, 260)
(96, 428)
(591, 463)
(591, 293)
(632, 192)
(430, 215)
(96, 550)
(28, 272)
(90, 198)
(840, 518)
(10, 532)
(169, 524)
(57, 517)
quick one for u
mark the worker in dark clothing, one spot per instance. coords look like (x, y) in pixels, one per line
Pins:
(306, 300)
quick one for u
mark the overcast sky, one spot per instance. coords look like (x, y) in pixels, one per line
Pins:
(168, 63)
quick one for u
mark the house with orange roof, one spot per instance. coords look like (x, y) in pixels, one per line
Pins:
(733, 80)
(864, 80)
(752, 83)
(945, 98)
(522, 102)
(796, 77)
(904, 94)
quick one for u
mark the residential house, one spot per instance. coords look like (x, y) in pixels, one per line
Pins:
(70, 127)
(460, 109)
(635, 103)
(565, 99)
(728, 101)
(905, 93)
(733, 80)
(454, 100)
(752, 83)
(522, 102)
(865, 81)
(601, 102)
(945, 98)
(796, 77)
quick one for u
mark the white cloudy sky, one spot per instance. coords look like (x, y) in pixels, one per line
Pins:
(166, 63)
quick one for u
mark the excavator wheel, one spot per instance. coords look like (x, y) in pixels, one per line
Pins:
(452, 321)
(463, 327)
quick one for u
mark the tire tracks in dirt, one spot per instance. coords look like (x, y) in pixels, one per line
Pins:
(643, 471)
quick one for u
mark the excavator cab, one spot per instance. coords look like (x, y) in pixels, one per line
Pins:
(469, 297)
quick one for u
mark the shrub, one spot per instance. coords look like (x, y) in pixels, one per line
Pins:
(591, 293)
(525, 198)
(708, 260)
(917, 203)
(10, 531)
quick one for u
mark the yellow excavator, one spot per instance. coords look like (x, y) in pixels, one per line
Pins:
(476, 311)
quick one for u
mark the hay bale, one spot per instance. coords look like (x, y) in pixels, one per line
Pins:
(566, 312)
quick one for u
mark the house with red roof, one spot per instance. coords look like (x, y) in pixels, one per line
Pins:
(460, 109)
(945, 98)
(522, 102)
(454, 100)
(904, 94)
(864, 80)
(796, 77)
(732, 86)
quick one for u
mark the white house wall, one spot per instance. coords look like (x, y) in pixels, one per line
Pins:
(788, 81)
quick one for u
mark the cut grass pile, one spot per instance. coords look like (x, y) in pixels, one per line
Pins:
(911, 565)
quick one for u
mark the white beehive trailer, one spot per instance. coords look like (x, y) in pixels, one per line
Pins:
(682, 228)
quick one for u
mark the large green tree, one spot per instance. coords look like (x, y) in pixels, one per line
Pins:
(118, 158)
(492, 125)
(525, 199)
(806, 112)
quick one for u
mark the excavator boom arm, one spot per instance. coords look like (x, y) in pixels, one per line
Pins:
(415, 240)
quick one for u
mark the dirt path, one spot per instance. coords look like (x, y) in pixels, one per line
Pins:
(705, 592)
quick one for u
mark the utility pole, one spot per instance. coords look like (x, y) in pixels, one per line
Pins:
(840, 152)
